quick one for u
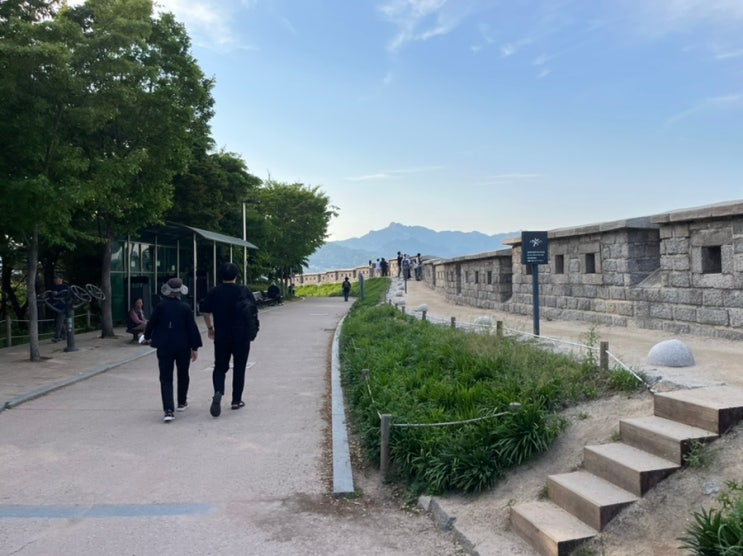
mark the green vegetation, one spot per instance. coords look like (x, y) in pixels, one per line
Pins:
(718, 531)
(424, 374)
(699, 455)
(105, 128)
(333, 290)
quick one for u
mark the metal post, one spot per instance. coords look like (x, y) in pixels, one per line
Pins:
(604, 356)
(499, 328)
(423, 316)
(9, 331)
(384, 455)
(535, 295)
(245, 248)
(454, 322)
(70, 316)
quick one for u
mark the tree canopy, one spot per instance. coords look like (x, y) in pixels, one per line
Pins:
(104, 124)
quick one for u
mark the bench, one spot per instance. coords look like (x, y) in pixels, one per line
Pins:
(262, 300)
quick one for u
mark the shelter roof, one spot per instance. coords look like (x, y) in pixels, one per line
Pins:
(170, 232)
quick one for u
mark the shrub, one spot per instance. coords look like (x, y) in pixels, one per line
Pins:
(718, 531)
(424, 375)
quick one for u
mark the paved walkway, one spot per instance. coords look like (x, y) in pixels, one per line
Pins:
(88, 467)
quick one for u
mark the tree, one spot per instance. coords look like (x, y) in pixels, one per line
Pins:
(40, 165)
(295, 219)
(210, 193)
(148, 102)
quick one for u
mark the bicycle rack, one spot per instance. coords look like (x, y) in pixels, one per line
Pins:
(67, 301)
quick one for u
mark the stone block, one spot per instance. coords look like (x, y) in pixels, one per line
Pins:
(671, 353)
(715, 317)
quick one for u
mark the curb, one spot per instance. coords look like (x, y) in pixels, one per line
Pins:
(342, 470)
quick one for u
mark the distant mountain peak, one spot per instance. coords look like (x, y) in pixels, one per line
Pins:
(355, 252)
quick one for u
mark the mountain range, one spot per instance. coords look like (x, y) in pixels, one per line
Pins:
(355, 252)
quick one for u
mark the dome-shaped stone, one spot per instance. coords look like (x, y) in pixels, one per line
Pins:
(671, 353)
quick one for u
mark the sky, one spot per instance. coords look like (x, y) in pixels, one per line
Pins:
(480, 115)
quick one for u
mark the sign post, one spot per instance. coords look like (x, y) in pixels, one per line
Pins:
(535, 251)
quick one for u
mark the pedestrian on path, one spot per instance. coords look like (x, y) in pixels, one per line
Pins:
(172, 330)
(60, 293)
(224, 310)
(346, 287)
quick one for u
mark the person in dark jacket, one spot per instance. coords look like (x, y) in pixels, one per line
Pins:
(172, 330)
(223, 324)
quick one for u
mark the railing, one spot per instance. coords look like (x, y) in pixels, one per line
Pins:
(12, 337)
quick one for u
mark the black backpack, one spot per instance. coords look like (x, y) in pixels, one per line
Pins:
(247, 312)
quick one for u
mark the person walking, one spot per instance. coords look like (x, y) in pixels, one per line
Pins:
(230, 334)
(346, 287)
(61, 293)
(172, 330)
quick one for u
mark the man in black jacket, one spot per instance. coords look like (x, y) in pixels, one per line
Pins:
(172, 330)
(225, 326)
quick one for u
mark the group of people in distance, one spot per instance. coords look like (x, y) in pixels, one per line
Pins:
(409, 267)
(172, 330)
(380, 267)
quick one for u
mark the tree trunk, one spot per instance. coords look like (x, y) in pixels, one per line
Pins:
(107, 323)
(33, 313)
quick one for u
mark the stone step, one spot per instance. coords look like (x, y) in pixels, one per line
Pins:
(664, 438)
(714, 409)
(549, 529)
(630, 468)
(593, 500)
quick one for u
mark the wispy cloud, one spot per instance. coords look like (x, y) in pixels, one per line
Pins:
(394, 174)
(421, 20)
(210, 22)
(728, 54)
(718, 103)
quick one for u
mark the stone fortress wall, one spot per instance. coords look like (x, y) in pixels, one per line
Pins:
(679, 271)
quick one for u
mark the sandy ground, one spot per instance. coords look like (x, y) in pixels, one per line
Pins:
(651, 526)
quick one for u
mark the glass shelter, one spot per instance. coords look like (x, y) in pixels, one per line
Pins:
(141, 265)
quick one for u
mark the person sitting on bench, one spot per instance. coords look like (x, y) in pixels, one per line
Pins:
(136, 320)
(274, 293)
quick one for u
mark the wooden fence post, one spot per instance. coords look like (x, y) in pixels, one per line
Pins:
(499, 328)
(454, 322)
(384, 455)
(604, 356)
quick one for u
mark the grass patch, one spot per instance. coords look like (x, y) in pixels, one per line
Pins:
(330, 290)
(424, 374)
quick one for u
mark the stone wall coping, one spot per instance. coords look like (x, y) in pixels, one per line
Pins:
(486, 255)
(717, 210)
(640, 222)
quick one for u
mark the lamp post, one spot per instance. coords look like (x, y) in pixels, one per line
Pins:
(245, 237)
(245, 248)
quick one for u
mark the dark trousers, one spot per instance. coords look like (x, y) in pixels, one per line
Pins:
(60, 333)
(224, 349)
(166, 359)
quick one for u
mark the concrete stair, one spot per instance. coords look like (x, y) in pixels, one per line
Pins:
(615, 475)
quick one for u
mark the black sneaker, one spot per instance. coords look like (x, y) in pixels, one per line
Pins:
(182, 406)
(168, 416)
(215, 408)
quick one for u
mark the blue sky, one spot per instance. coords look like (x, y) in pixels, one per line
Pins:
(480, 115)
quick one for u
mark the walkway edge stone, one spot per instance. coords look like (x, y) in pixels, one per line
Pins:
(342, 470)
